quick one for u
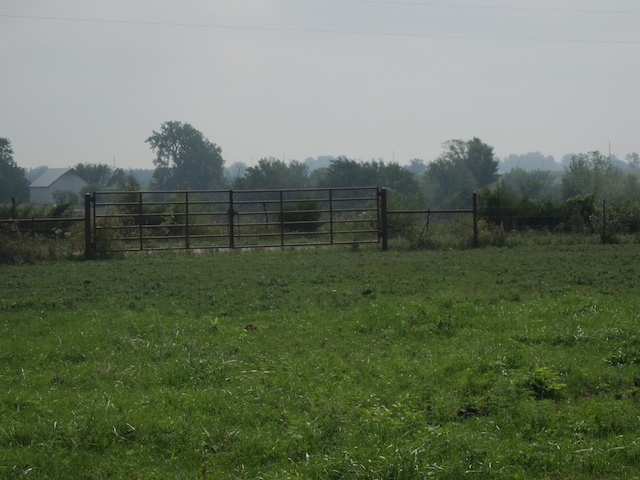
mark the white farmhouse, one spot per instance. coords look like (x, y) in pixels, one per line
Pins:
(53, 180)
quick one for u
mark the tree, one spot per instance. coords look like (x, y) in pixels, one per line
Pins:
(590, 173)
(344, 172)
(234, 171)
(272, 173)
(322, 161)
(185, 157)
(417, 166)
(533, 184)
(481, 162)
(99, 176)
(566, 159)
(633, 159)
(529, 161)
(449, 183)
(13, 183)
(403, 185)
(461, 168)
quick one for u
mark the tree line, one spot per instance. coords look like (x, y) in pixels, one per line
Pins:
(186, 159)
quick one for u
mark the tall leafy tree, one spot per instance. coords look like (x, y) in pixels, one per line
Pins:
(476, 156)
(13, 183)
(185, 157)
(449, 183)
(590, 173)
(464, 166)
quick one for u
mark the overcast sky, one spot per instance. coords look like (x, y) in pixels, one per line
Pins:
(371, 79)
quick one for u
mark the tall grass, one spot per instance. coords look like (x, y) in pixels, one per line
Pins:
(18, 247)
(323, 363)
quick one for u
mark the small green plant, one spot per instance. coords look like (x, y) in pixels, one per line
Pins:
(624, 356)
(545, 383)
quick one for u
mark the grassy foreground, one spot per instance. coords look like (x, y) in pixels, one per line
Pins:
(322, 364)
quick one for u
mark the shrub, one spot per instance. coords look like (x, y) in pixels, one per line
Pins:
(17, 247)
(581, 211)
(302, 216)
(502, 207)
(545, 383)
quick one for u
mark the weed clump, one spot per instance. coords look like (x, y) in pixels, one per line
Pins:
(545, 384)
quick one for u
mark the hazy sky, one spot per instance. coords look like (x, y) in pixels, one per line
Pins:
(370, 79)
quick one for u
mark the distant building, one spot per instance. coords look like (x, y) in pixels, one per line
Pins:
(53, 180)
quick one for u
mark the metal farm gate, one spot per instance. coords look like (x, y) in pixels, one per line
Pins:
(126, 221)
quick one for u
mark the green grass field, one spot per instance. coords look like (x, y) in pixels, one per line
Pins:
(323, 364)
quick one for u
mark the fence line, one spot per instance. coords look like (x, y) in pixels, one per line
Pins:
(472, 211)
(129, 221)
(122, 221)
(29, 224)
(577, 218)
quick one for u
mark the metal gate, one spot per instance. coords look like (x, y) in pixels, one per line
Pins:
(126, 221)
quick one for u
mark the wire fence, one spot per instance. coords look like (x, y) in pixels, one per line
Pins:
(578, 216)
(128, 221)
(47, 227)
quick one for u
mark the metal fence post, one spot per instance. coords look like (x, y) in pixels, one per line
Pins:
(475, 219)
(140, 220)
(281, 220)
(230, 215)
(186, 219)
(383, 219)
(88, 246)
(331, 217)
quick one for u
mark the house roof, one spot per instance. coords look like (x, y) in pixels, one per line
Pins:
(50, 176)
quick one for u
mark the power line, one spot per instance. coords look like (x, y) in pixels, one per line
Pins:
(319, 31)
(490, 7)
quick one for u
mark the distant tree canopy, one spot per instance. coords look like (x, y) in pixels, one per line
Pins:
(271, 173)
(633, 159)
(234, 171)
(100, 176)
(13, 183)
(522, 199)
(591, 173)
(416, 166)
(530, 161)
(185, 158)
(534, 184)
(403, 185)
(463, 167)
